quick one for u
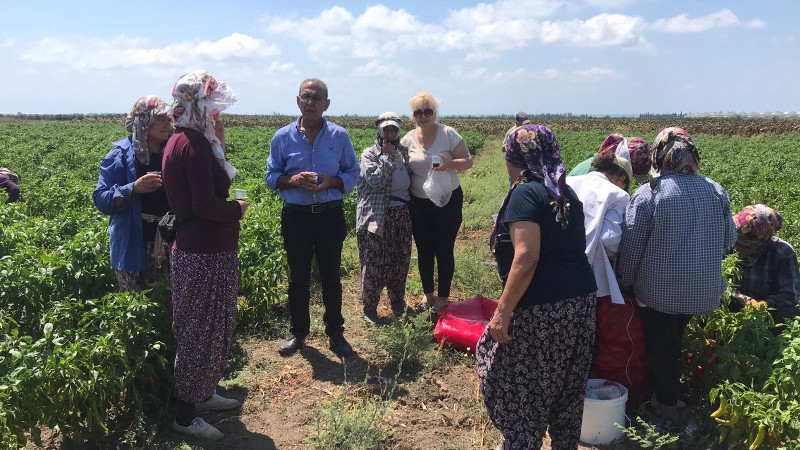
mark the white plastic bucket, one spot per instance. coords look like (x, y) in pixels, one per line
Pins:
(600, 416)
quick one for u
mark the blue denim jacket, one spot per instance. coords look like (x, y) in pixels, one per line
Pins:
(117, 175)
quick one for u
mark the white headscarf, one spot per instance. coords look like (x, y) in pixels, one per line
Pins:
(203, 99)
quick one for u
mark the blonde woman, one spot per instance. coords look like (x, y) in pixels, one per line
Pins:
(435, 147)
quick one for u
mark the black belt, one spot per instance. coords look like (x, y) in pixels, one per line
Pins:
(398, 199)
(316, 208)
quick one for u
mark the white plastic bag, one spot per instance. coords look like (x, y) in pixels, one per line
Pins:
(435, 187)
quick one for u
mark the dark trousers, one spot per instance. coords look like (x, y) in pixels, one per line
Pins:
(320, 235)
(435, 229)
(664, 335)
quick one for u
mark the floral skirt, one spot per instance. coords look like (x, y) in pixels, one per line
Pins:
(538, 379)
(204, 288)
(384, 259)
(137, 281)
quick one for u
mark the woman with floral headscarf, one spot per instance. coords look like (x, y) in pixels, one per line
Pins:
(678, 228)
(768, 264)
(129, 190)
(534, 357)
(197, 177)
(634, 149)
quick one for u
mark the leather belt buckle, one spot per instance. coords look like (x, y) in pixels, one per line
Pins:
(318, 208)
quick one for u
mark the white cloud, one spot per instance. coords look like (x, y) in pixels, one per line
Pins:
(589, 75)
(595, 75)
(375, 68)
(279, 67)
(378, 32)
(124, 53)
(724, 18)
(8, 42)
(482, 31)
(604, 30)
(607, 4)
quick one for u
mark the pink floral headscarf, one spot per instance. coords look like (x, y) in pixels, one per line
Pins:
(199, 99)
(634, 149)
(142, 115)
(756, 224)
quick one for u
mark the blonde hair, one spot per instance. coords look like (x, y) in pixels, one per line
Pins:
(424, 97)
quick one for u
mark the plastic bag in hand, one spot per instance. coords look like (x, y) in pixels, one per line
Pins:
(435, 187)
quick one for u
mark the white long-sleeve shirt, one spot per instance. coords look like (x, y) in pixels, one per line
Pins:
(604, 211)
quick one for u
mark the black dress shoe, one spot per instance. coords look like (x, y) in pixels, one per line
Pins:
(340, 346)
(291, 345)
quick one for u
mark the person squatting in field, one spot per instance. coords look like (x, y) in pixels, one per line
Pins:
(534, 356)
(10, 182)
(435, 152)
(383, 221)
(205, 261)
(768, 264)
(678, 228)
(129, 190)
(312, 165)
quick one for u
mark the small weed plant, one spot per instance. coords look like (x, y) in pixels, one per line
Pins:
(406, 342)
(646, 435)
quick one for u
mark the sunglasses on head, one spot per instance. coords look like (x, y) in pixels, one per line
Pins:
(427, 112)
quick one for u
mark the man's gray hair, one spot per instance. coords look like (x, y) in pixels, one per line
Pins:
(316, 80)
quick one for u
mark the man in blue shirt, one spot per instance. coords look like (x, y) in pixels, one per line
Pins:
(312, 164)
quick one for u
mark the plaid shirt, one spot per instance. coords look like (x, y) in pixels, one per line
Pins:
(375, 186)
(673, 241)
(774, 277)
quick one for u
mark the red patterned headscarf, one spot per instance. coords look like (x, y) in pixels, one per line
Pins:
(634, 149)
(756, 224)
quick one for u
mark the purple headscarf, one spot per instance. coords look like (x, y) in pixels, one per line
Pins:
(535, 149)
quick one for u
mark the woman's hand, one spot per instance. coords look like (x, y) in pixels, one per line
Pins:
(498, 327)
(388, 147)
(244, 205)
(445, 164)
(147, 183)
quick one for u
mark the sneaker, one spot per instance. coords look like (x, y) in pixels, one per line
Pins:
(200, 429)
(371, 317)
(217, 403)
(654, 402)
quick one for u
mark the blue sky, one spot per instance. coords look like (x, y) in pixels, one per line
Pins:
(558, 56)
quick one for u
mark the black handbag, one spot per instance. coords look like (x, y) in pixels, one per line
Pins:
(168, 227)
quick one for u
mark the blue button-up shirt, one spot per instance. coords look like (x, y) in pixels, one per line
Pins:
(673, 241)
(332, 154)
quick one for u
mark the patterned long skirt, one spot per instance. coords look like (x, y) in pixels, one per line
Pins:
(384, 259)
(204, 288)
(538, 379)
(137, 281)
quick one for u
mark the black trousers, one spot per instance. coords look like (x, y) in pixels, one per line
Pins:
(435, 229)
(664, 335)
(306, 235)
